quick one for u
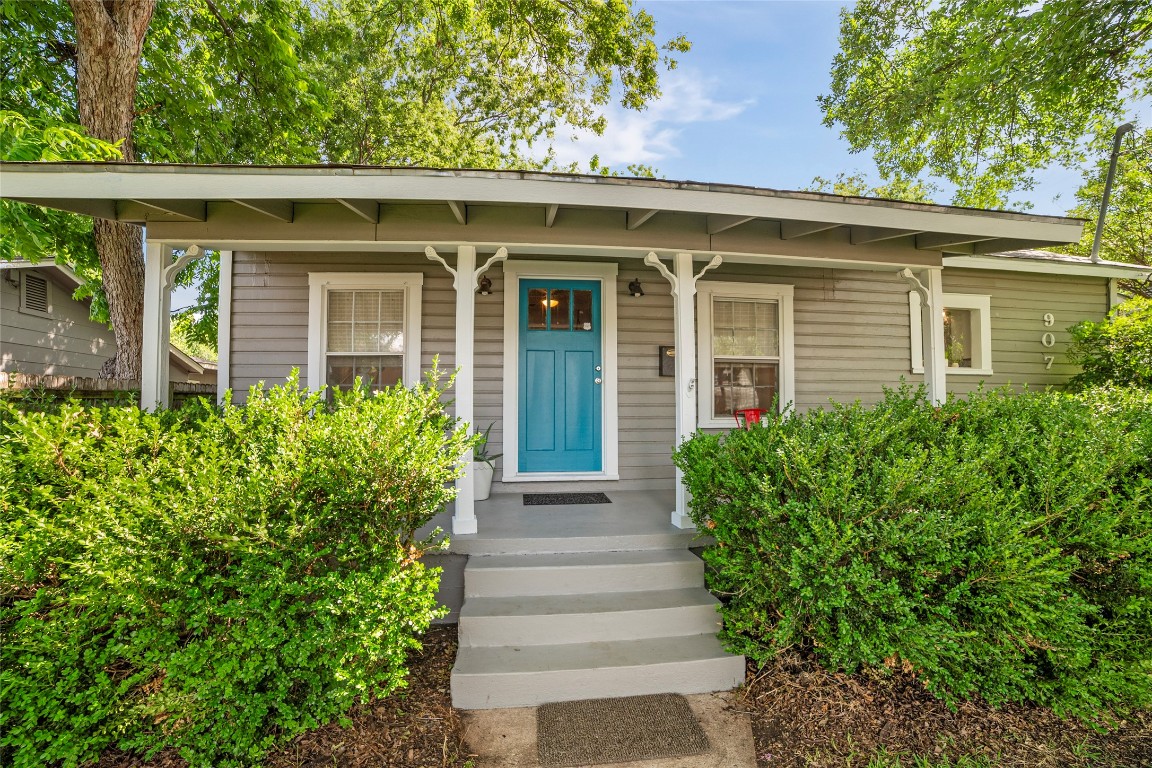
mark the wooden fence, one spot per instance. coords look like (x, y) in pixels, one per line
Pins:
(26, 386)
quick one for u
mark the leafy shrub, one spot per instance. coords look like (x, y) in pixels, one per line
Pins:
(999, 546)
(1117, 350)
(213, 581)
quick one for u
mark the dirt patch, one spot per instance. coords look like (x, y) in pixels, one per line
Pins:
(414, 728)
(803, 715)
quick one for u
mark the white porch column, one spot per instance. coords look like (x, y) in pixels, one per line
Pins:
(159, 272)
(685, 341)
(464, 280)
(683, 293)
(157, 328)
(464, 521)
(224, 328)
(931, 330)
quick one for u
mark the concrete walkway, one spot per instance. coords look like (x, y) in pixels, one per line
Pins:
(506, 738)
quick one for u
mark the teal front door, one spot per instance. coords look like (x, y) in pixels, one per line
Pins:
(560, 376)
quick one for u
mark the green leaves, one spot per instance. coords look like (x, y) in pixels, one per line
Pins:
(1117, 350)
(999, 546)
(213, 581)
(985, 92)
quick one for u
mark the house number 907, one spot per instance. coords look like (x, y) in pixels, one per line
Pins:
(1049, 340)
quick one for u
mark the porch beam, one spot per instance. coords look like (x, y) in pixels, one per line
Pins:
(281, 210)
(718, 223)
(932, 241)
(791, 230)
(190, 210)
(865, 235)
(369, 210)
(637, 216)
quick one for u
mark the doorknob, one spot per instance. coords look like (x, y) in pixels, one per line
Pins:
(599, 380)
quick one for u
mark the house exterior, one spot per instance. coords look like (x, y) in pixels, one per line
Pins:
(593, 322)
(44, 331)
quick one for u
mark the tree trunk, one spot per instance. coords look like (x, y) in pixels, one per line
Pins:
(109, 41)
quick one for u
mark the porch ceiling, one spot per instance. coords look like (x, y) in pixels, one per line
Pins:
(205, 204)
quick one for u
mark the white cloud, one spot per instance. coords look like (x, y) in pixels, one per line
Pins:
(651, 135)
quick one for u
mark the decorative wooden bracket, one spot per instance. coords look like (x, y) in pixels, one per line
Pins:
(914, 283)
(500, 255)
(191, 253)
(653, 260)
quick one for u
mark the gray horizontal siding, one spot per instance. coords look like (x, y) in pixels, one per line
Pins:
(69, 343)
(852, 331)
(1019, 301)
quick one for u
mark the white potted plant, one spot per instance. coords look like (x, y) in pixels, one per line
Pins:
(483, 466)
(955, 353)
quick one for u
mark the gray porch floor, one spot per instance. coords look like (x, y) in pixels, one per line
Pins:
(634, 520)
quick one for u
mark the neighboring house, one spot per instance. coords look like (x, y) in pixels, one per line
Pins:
(43, 330)
(594, 322)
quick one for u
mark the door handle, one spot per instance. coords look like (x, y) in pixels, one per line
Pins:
(599, 380)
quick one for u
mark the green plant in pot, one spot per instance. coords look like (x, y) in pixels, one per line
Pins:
(483, 466)
(955, 353)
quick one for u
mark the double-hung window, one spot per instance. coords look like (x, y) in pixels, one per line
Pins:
(363, 325)
(745, 347)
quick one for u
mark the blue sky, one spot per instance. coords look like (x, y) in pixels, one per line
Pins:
(741, 107)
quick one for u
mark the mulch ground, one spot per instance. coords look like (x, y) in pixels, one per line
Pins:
(803, 715)
(414, 728)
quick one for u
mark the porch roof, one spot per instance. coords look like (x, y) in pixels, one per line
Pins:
(155, 194)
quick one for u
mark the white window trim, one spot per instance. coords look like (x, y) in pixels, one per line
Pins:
(981, 355)
(706, 291)
(319, 283)
(514, 272)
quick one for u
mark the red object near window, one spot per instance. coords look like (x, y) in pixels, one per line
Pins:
(750, 416)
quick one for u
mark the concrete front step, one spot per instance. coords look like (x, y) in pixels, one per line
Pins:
(472, 544)
(604, 616)
(581, 573)
(526, 676)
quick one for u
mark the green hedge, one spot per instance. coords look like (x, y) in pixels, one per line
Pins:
(213, 581)
(999, 546)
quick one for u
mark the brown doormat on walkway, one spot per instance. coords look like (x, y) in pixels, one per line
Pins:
(602, 731)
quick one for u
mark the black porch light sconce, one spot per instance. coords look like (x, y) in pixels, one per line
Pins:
(485, 286)
(635, 289)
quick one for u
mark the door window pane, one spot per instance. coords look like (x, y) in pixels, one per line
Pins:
(561, 308)
(537, 309)
(582, 310)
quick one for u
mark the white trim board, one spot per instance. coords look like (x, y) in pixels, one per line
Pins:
(514, 271)
(319, 283)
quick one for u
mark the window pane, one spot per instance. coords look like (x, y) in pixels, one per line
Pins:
(537, 309)
(339, 306)
(340, 336)
(738, 385)
(560, 306)
(367, 306)
(582, 310)
(365, 337)
(745, 328)
(375, 371)
(958, 337)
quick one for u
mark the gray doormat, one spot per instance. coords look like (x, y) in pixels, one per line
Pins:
(603, 731)
(536, 499)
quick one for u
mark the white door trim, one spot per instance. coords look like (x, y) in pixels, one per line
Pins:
(514, 271)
